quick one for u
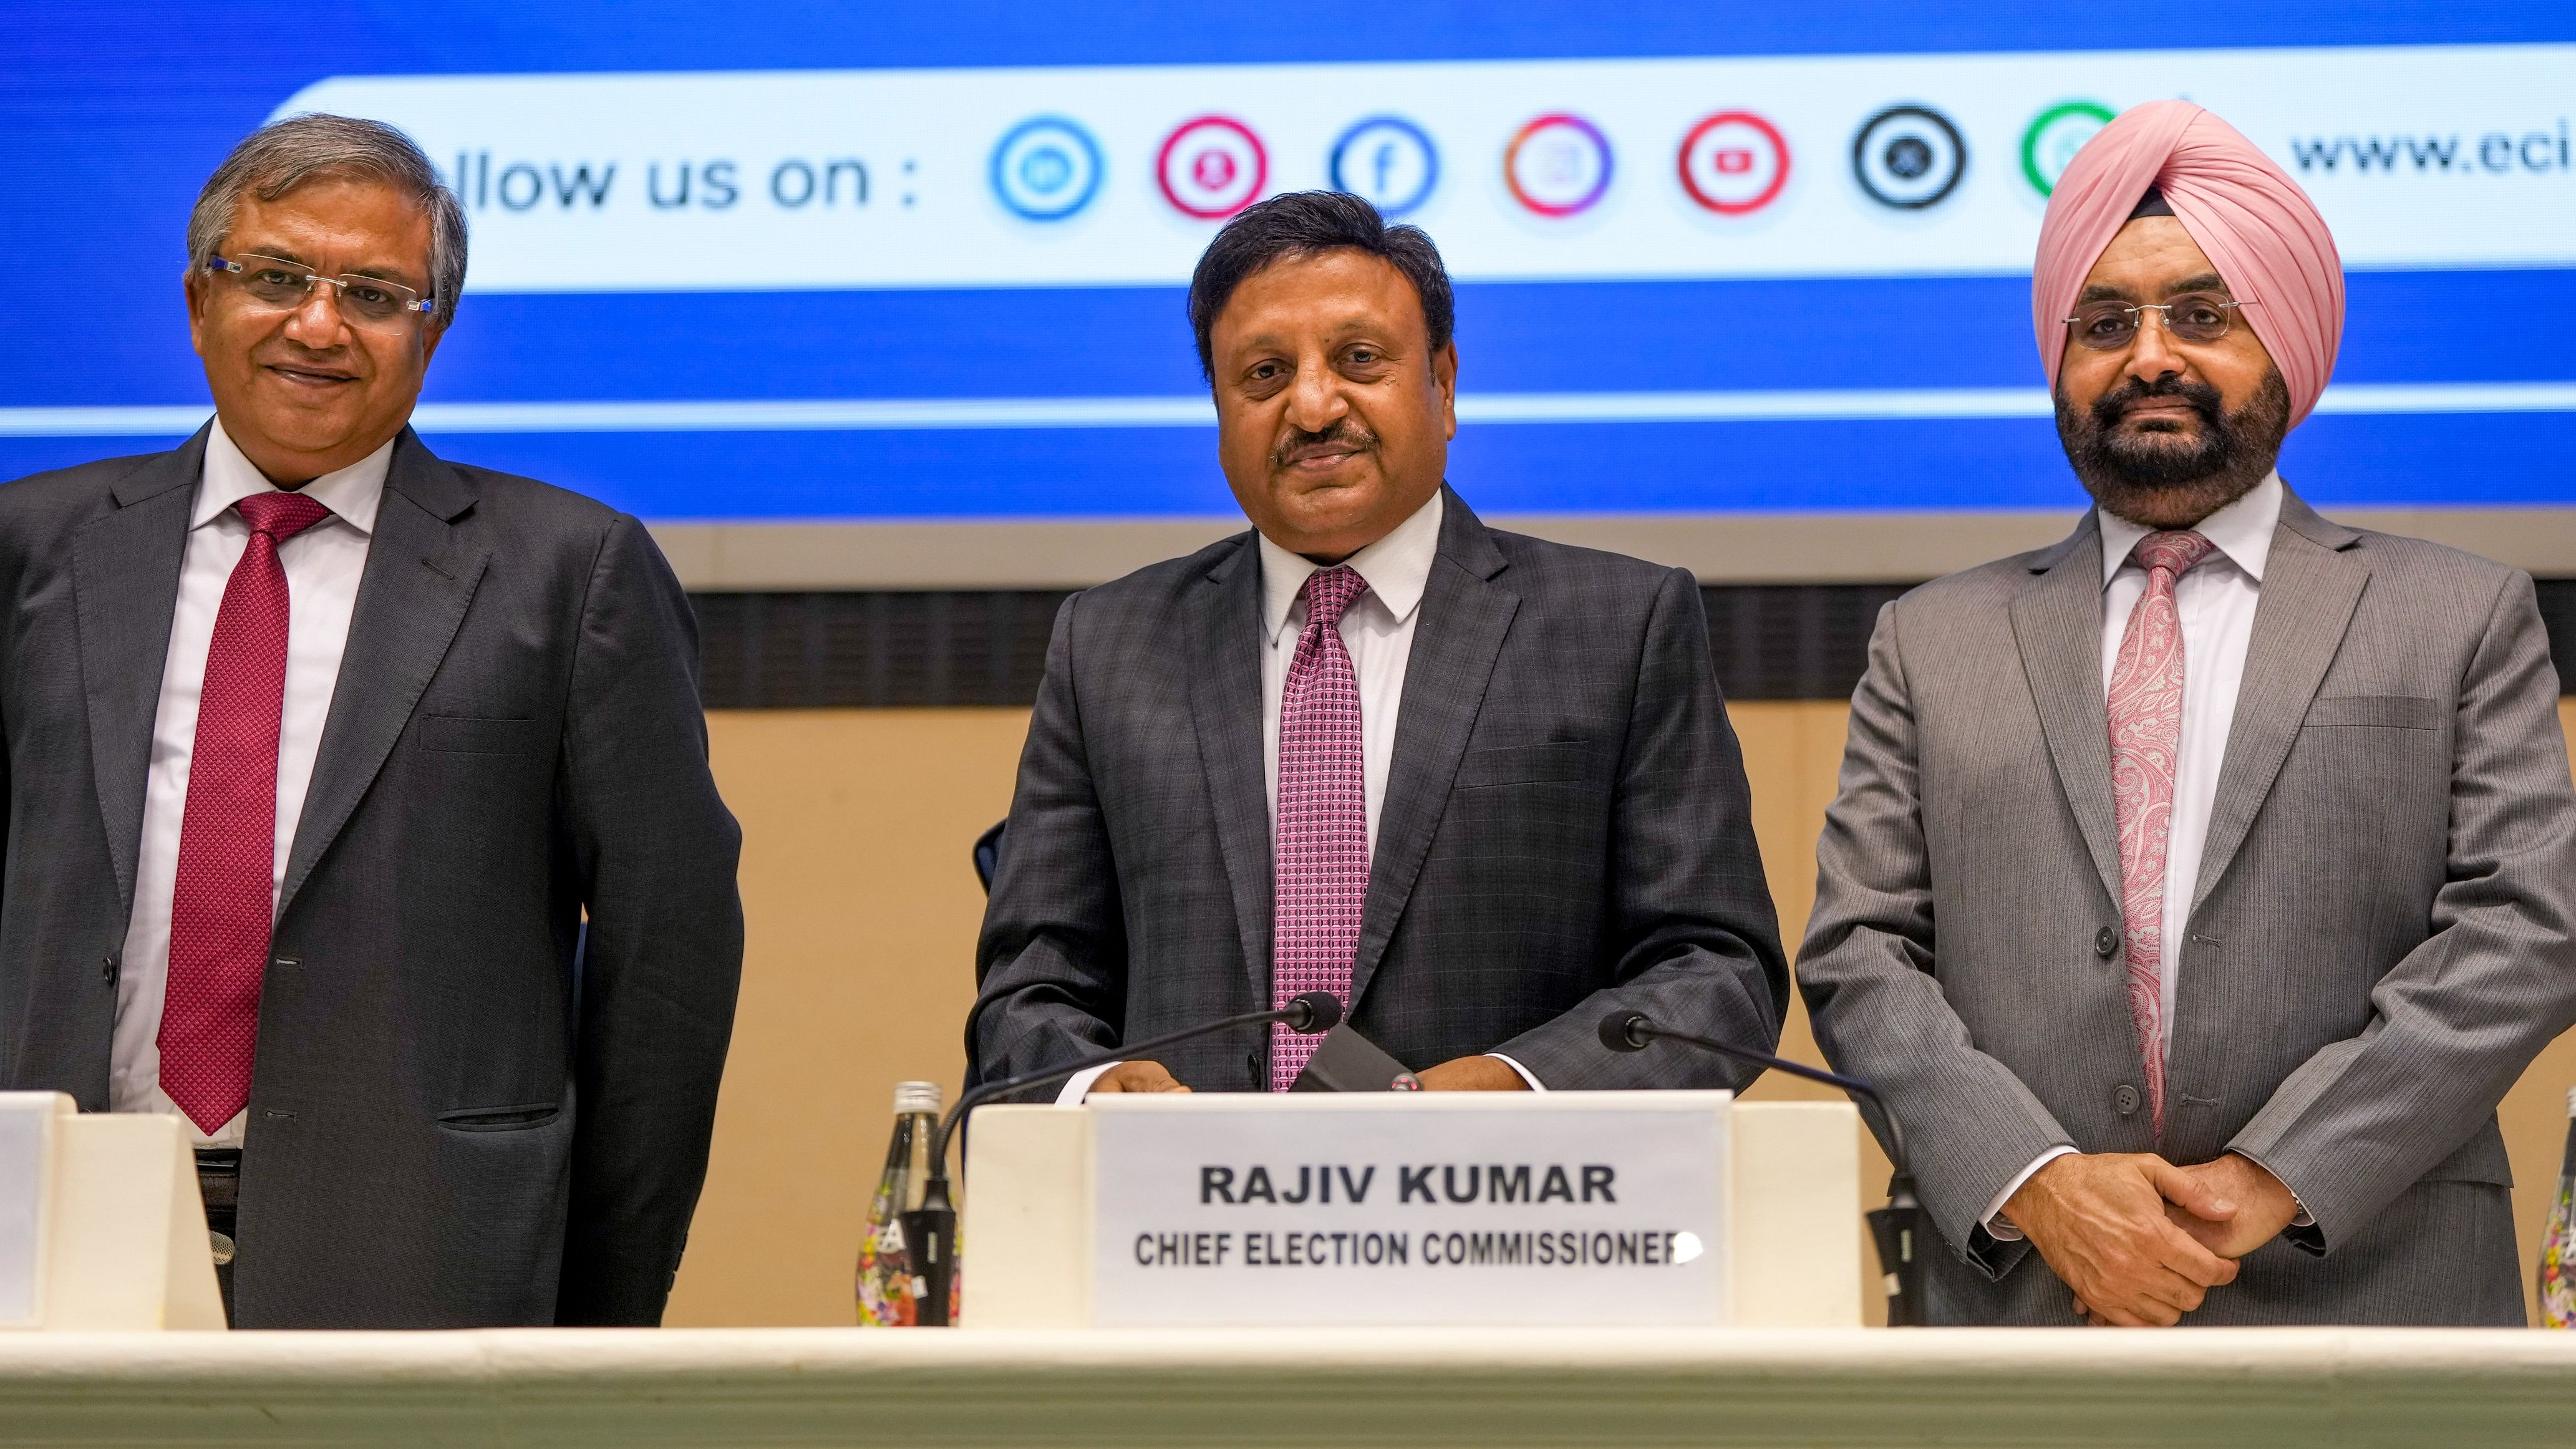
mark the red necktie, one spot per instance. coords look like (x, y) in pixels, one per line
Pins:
(1323, 844)
(2146, 744)
(221, 910)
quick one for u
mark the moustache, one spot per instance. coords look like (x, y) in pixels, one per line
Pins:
(2112, 406)
(1343, 434)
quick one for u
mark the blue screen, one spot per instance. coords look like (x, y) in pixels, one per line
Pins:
(769, 261)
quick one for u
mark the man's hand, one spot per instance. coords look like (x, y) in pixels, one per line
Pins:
(1135, 1077)
(2099, 1221)
(2262, 1206)
(1472, 1074)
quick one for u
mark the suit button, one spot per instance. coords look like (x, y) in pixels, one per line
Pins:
(2106, 943)
(2124, 1100)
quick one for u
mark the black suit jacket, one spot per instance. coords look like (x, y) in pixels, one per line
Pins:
(1566, 829)
(447, 1127)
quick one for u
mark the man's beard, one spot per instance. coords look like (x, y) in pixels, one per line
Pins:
(2157, 480)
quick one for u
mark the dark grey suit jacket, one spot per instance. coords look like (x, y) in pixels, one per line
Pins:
(1566, 829)
(2382, 936)
(445, 1129)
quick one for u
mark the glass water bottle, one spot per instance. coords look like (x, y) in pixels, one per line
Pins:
(2558, 1245)
(888, 1291)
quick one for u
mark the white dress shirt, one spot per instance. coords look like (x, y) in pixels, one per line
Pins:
(2216, 602)
(323, 564)
(1377, 629)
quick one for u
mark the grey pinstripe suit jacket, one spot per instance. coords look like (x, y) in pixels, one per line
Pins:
(1566, 829)
(2380, 938)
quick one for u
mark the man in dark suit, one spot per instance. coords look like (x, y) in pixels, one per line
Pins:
(1479, 786)
(319, 749)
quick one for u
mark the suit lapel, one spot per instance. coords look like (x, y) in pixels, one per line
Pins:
(420, 576)
(2311, 584)
(1225, 708)
(2057, 622)
(125, 583)
(1465, 616)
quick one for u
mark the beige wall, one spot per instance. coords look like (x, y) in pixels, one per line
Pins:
(862, 905)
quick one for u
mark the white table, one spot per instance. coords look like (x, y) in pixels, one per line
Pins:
(2269, 1388)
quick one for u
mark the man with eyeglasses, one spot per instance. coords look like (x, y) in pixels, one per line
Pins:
(358, 801)
(2198, 886)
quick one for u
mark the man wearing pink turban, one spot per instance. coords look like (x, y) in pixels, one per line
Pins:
(2197, 886)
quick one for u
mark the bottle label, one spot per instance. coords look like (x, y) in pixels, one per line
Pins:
(887, 1295)
(2558, 1261)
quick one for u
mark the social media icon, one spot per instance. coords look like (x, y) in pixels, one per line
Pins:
(1557, 165)
(2053, 138)
(1212, 167)
(1046, 168)
(1734, 163)
(1388, 160)
(1909, 157)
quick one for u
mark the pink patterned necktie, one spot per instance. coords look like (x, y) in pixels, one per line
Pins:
(1323, 846)
(2146, 739)
(221, 911)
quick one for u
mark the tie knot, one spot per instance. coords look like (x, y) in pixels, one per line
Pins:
(2177, 553)
(280, 515)
(1330, 591)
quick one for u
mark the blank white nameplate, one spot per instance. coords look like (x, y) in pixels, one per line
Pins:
(1604, 1208)
(100, 1223)
(26, 1198)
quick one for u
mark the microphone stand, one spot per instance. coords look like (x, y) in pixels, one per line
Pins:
(1895, 1228)
(930, 1230)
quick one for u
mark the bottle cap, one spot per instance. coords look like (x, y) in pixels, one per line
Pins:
(916, 1097)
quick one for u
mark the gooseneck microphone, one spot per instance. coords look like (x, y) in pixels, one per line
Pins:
(930, 1230)
(1896, 1227)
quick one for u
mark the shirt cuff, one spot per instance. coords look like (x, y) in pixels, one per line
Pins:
(1077, 1086)
(1534, 1083)
(2001, 1228)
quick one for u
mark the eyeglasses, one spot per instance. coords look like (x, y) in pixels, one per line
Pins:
(284, 285)
(2196, 317)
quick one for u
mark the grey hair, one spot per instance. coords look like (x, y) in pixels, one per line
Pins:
(283, 155)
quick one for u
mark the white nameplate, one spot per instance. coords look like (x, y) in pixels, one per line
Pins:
(1467, 1208)
(26, 1186)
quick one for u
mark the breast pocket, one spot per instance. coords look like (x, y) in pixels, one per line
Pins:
(1560, 762)
(2375, 711)
(2369, 787)
(450, 734)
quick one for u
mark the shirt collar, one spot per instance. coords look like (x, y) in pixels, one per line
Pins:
(351, 493)
(1397, 567)
(2242, 531)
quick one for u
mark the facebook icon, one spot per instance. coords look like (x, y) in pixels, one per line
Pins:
(1387, 160)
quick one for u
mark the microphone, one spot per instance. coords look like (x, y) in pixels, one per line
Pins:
(930, 1230)
(1896, 1227)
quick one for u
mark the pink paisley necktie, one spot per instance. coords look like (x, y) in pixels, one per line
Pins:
(1323, 846)
(220, 912)
(2146, 740)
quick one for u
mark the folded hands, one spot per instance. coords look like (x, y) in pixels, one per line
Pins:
(2142, 1241)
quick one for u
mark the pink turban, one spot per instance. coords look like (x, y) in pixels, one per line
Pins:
(2258, 227)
